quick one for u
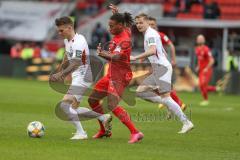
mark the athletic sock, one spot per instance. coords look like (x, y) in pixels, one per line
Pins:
(174, 108)
(204, 92)
(150, 96)
(211, 89)
(174, 96)
(72, 116)
(85, 113)
(125, 119)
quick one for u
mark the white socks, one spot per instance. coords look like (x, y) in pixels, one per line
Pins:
(150, 96)
(174, 108)
(73, 116)
(85, 113)
(167, 101)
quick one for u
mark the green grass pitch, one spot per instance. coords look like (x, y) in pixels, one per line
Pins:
(215, 137)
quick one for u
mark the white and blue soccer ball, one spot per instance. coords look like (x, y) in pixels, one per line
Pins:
(35, 129)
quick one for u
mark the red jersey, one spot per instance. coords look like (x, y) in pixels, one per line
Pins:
(164, 38)
(121, 44)
(203, 55)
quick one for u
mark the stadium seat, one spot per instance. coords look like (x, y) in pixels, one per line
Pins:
(46, 68)
(189, 16)
(43, 78)
(197, 9)
(168, 7)
(32, 69)
(36, 61)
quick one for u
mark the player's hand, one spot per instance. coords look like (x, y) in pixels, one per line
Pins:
(196, 69)
(205, 70)
(174, 64)
(113, 8)
(133, 58)
(99, 49)
(56, 77)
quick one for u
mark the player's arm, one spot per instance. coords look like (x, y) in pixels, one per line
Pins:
(113, 8)
(173, 53)
(63, 63)
(211, 61)
(118, 54)
(72, 65)
(111, 57)
(151, 51)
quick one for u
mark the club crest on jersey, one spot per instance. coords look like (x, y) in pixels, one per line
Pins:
(151, 40)
(117, 49)
(78, 53)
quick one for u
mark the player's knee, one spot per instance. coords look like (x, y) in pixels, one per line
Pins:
(139, 89)
(91, 101)
(75, 103)
(68, 99)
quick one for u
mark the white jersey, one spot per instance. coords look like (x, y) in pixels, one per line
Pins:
(152, 37)
(77, 48)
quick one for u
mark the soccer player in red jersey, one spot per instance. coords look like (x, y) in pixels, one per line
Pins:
(167, 42)
(204, 68)
(118, 76)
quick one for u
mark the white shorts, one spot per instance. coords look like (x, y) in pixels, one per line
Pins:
(80, 84)
(160, 79)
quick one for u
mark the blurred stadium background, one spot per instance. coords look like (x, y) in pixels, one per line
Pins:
(31, 49)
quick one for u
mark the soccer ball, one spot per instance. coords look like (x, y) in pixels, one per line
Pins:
(35, 129)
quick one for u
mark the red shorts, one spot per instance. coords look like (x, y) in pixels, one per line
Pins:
(116, 87)
(204, 78)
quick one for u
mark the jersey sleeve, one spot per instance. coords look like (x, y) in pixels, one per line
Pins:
(164, 38)
(78, 50)
(151, 39)
(208, 52)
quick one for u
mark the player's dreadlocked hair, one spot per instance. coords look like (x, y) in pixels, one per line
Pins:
(124, 18)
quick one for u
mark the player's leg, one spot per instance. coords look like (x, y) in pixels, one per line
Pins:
(165, 86)
(113, 99)
(99, 92)
(67, 104)
(175, 97)
(175, 109)
(78, 91)
(85, 113)
(161, 85)
(94, 102)
(208, 77)
(203, 88)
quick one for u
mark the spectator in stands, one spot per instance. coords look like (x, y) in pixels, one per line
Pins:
(16, 50)
(60, 54)
(181, 6)
(36, 50)
(100, 4)
(99, 35)
(232, 62)
(45, 53)
(27, 52)
(211, 10)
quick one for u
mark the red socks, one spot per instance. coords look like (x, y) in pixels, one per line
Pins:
(211, 88)
(125, 119)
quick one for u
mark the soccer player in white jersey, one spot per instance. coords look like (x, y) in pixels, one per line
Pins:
(157, 86)
(78, 65)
